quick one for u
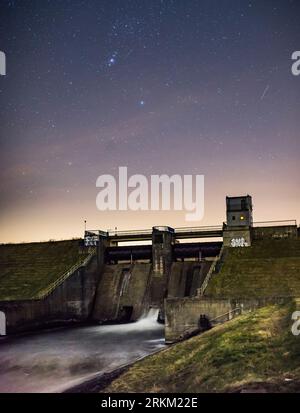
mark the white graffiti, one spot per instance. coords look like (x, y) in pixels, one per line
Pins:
(239, 242)
(91, 240)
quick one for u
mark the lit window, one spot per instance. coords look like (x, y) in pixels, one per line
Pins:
(242, 217)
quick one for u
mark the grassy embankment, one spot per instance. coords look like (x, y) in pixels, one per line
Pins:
(25, 269)
(269, 268)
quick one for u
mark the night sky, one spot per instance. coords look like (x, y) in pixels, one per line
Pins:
(160, 86)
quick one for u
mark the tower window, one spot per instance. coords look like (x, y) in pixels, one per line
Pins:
(233, 217)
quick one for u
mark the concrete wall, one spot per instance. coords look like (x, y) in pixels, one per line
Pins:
(71, 301)
(186, 277)
(285, 231)
(136, 294)
(122, 286)
(236, 237)
(182, 315)
(162, 257)
(162, 240)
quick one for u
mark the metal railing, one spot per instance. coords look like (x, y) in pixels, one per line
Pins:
(179, 230)
(282, 223)
(198, 229)
(237, 309)
(137, 232)
(51, 287)
(129, 232)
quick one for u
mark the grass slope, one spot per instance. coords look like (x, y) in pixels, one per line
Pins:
(25, 269)
(254, 349)
(269, 268)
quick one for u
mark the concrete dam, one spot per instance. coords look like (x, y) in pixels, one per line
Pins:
(110, 283)
(194, 278)
(109, 277)
(188, 279)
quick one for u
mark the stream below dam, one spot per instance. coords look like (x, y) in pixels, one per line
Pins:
(55, 360)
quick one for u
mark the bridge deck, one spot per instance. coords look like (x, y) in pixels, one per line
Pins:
(180, 233)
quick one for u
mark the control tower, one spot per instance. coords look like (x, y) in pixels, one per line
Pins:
(239, 211)
(237, 229)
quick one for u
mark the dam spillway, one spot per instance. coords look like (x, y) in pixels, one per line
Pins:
(53, 361)
(58, 283)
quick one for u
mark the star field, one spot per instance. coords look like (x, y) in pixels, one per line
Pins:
(160, 86)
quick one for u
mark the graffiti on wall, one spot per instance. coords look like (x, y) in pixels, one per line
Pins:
(90, 239)
(239, 242)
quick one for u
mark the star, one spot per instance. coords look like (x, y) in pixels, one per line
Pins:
(112, 59)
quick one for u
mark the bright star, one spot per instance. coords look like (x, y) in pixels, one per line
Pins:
(111, 61)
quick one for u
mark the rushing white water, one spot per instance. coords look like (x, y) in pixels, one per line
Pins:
(52, 361)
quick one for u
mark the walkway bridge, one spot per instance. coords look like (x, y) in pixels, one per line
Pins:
(146, 234)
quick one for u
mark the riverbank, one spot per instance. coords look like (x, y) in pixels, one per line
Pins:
(255, 352)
